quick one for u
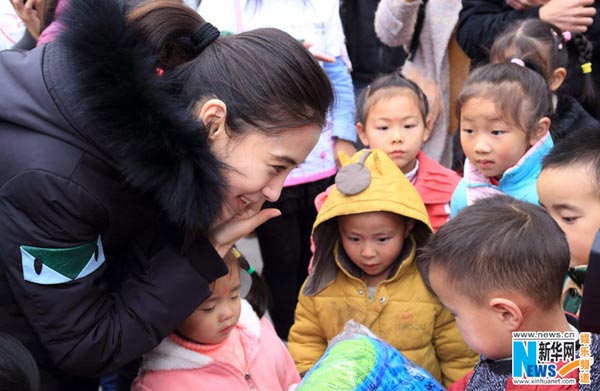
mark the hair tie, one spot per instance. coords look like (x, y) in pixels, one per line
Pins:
(204, 36)
(567, 36)
(587, 67)
(518, 62)
(250, 270)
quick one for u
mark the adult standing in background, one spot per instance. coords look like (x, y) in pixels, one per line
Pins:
(285, 240)
(426, 30)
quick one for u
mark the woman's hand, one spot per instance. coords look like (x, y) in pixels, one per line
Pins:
(231, 228)
(28, 12)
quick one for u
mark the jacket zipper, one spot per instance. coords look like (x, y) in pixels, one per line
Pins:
(249, 380)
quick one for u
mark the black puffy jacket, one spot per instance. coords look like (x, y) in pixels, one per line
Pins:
(105, 187)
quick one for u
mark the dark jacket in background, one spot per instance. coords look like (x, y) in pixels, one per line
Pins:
(370, 57)
(94, 152)
(480, 21)
(569, 117)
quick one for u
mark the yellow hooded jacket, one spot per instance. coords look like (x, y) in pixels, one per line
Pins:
(403, 311)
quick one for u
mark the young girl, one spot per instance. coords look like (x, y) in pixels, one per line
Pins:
(425, 28)
(226, 344)
(392, 117)
(543, 48)
(367, 234)
(504, 123)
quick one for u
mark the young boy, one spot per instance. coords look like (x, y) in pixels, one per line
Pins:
(569, 189)
(499, 266)
(366, 236)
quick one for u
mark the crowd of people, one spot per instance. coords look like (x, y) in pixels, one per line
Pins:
(428, 169)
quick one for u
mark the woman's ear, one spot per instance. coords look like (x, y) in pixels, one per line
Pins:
(213, 113)
(557, 78)
(507, 312)
(541, 129)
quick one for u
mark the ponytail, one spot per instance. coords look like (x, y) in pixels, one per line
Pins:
(587, 95)
(259, 296)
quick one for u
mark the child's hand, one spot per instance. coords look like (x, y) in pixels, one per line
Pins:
(569, 15)
(28, 12)
(319, 56)
(230, 229)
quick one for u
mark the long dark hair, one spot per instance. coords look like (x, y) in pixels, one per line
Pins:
(267, 79)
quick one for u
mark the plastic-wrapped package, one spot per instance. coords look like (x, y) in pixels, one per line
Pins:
(358, 360)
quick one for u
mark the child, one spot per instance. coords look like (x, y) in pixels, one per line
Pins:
(392, 116)
(569, 189)
(366, 236)
(508, 278)
(504, 123)
(225, 344)
(543, 48)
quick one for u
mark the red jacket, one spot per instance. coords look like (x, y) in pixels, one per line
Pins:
(435, 184)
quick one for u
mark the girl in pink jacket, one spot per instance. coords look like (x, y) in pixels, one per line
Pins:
(225, 344)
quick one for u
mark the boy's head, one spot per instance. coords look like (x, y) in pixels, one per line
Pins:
(497, 262)
(503, 111)
(370, 211)
(392, 117)
(569, 189)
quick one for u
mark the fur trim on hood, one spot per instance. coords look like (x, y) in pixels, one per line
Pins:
(169, 355)
(106, 85)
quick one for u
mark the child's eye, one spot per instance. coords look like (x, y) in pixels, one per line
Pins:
(467, 131)
(410, 126)
(352, 239)
(382, 128)
(234, 298)
(383, 240)
(208, 310)
(497, 132)
(569, 219)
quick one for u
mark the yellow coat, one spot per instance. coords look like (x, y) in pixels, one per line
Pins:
(403, 312)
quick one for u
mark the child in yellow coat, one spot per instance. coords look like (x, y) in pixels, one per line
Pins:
(366, 236)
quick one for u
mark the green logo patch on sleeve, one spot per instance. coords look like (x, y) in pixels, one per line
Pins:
(59, 265)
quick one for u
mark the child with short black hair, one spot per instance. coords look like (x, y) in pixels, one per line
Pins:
(504, 120)
(569, 189)
(499, 266)
(366, 237)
